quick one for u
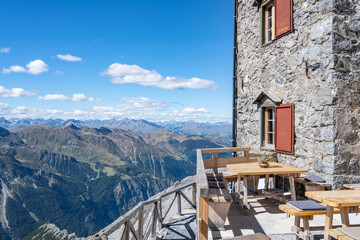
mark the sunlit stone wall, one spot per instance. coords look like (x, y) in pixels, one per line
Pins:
(316, 67)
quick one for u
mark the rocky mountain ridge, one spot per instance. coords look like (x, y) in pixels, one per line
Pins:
(82, 178)
(138, 126)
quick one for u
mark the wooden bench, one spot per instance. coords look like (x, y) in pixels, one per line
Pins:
(305, 216)
(353, 186)
(309, 186)
(219, 201)
(335, 233)
(256, 236)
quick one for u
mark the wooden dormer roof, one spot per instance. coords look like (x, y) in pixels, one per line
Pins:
(268, 94)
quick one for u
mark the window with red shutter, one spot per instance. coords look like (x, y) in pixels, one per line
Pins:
(283, 17)
(284, 128)
(276, 19)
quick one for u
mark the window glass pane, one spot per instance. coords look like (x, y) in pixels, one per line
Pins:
(270, 138)
(270, 126)
(271, 114)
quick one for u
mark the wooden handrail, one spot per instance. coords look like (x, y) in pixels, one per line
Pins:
(156, 219)
(202, 184)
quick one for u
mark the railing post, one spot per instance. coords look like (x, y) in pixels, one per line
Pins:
(160, 214)
(216, 157)
(179, 203)
(153, 225)
(247, 155)
(140, 222)
(127, 232)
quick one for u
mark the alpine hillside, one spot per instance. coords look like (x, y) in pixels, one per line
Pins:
(81, 179)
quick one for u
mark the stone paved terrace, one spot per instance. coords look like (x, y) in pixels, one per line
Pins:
(264, 216)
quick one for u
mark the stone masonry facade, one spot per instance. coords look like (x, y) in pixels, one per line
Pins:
(316, 67)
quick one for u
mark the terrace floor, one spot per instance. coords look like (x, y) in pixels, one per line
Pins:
(264, 216)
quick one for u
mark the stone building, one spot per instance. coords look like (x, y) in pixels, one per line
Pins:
(297, 83)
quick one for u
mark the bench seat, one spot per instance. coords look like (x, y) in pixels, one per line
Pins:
(353, 186)
(214, 176)
(305, 232)
(339, 235)
(219, 195)
(219, 204)
(297, 213)
(309, 186)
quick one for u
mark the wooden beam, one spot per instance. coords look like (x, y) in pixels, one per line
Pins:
(222, 162)
(203, 215)
(153, 225)
(132, 229)
(140, 223)
(344, 212)
(328, 221)
(172, 202)
(187, 199)
(179, 203)
(127, 233)
(202, 183)
(292, 187)
(160, 214)
(216, 156)
(224, 150)
(194, 194)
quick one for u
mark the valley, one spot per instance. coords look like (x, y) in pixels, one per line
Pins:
(81, 178)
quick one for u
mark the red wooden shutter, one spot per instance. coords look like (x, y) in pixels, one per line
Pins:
(284, 128)
(283, 17)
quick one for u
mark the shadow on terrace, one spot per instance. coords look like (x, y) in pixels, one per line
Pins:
(238, 199)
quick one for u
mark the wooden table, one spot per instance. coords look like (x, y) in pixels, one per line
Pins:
(342, 199)
(354, 186)
(253, 169)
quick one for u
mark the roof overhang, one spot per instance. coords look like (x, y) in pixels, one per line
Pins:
(268, 94)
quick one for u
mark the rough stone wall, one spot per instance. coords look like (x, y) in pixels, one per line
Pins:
(346, 40)
(304, 68)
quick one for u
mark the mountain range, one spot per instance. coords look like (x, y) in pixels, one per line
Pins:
(81, 178)
(223, 129)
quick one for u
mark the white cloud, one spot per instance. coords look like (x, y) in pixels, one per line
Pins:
(123, 73)
(78, 97)
(5, 50)
(58, 72)
(193, 110)
(134, 108)
(4, 106)
(33, 67)
(14, 93)
(69, 58)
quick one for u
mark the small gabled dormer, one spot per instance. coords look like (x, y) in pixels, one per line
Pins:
(276, 123)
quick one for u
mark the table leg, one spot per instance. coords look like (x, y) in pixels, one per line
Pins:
(344, 217)
(245, 190)
(267, 181)
(238, 184)
(292, 187)
(328, 221)
(297, 224)
(306, 228)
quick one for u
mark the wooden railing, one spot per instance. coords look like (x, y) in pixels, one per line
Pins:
(215, 162)
(148, 214)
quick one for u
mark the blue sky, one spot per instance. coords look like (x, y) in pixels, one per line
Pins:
(146, 59)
